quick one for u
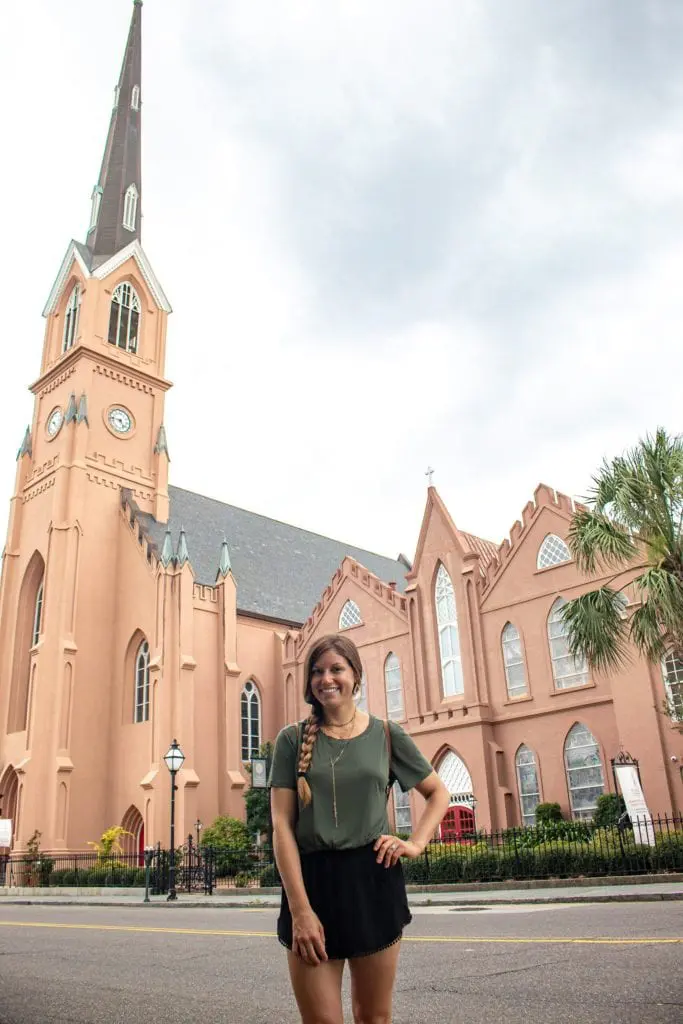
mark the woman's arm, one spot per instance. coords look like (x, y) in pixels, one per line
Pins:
(308, 938)
(389, 848)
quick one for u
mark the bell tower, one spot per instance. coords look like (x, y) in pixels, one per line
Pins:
(98, 428)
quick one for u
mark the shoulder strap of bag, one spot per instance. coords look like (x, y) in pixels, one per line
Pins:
(387, 733)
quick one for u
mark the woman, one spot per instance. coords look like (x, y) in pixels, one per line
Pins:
(344, 895)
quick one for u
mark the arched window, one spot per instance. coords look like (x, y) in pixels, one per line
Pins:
(394, 688)
(362, 695)
(672, 667)
(403, 818)
(513, 660)
(527, 784)
(71, 315)
(130, 208)
(567, 670)
(456, 778)
(124, 318)
(251, 721)
(350, 616)
(552, 551)
(449, 643)
(37, 615)
(142, 683)
(583, 766)
(135, 98)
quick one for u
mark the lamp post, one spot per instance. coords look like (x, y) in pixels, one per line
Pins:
(174, 761)
(198, 827)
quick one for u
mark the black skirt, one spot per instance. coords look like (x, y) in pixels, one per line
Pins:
(362, 906)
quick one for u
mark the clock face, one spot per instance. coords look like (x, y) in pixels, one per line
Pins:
(54, 422)
(120, 420)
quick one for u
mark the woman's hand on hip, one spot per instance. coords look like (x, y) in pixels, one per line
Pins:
(308, 938)
(390, 849)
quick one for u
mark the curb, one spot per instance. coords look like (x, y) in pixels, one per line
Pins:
(226, 904)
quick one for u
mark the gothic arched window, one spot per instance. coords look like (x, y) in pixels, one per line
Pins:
(527, 784)
(449, 643)
(394, 688)
(567, 670)
(135, 98)
(362, 695)
(142, 683)
(553, 551)
(130, 208)
(124, 317)
(37, 615)
(583, 766)
(672, 667)
(403, 818)
(350, 616)
(513, 660)
(250, 707)
(71, 316)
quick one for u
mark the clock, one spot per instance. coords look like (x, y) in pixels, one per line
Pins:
(120, 420)
(54, 422)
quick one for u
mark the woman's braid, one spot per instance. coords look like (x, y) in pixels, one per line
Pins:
(311, 730)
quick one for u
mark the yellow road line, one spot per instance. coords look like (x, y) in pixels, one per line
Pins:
(412, 938)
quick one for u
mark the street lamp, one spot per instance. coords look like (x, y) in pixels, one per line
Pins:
(174, 761)
(198, 827)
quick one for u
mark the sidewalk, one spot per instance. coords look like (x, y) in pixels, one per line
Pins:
(580, 891)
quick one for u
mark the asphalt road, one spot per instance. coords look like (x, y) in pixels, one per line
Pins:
(606, 963)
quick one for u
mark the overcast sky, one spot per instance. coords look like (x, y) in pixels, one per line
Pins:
(394, 234)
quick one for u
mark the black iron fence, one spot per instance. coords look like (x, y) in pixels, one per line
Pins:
(563, 849)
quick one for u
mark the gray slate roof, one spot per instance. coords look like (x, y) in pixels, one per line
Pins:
(280, 570)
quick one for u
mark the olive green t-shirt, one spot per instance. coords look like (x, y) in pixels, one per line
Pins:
(361, 775)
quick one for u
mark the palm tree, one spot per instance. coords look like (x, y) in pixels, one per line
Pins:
(632, 521)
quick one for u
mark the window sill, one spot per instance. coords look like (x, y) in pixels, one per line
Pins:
(572, 689)
(517, 700)
(549, 568)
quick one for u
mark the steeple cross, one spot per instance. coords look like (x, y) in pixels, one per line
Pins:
(429, 474)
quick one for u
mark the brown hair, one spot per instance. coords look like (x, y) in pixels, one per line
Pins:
(347, 649)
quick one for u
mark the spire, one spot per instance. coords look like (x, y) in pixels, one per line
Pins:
(82, 415)
(26, 446)
(115, 218)
(167, 549)
(162, 443)
(224, 566)
(182, 555)
(71, 410)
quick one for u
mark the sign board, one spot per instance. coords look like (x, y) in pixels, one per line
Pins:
(259, 772)
(5, 831)
(638, 812)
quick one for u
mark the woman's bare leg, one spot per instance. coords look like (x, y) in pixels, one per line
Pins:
(317, 990)
(372, 985)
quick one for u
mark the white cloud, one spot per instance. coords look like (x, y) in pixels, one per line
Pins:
(393, 235)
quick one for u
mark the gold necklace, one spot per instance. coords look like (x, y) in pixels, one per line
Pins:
(334, 761)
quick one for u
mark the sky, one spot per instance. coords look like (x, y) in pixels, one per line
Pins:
(395, 235)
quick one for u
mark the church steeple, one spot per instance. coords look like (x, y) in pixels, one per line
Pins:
(116, 200)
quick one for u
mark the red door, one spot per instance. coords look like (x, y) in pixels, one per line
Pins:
(141, 846)
(456, 822)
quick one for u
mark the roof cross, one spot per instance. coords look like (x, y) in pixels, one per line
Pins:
(429, 474)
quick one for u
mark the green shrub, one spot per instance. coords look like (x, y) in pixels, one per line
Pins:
(548, 813)
(415, 871)
(269, 876)
(445, 869)
(610, 807)
(242, 879)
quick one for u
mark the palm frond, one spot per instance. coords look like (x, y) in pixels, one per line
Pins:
(597, 630)
(646, 632)
(594, 538)
(664, 592)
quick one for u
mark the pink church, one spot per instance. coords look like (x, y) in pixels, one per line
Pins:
(133, 611)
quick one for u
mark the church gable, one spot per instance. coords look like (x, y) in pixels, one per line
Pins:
(535, 558)
(355, 600)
